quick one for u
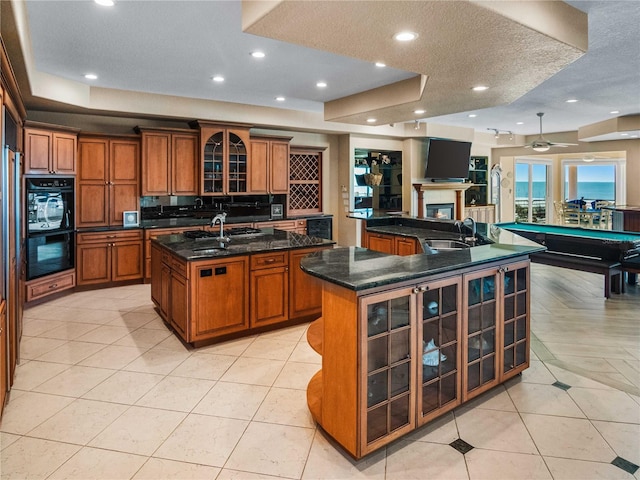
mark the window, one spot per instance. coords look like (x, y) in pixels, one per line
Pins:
(593, 181)
(532, 190)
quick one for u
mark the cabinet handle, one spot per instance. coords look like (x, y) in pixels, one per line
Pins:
(54, 285)
(270, 260)
(111, 236)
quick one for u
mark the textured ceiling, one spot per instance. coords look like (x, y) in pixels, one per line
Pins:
(455, 48)
(175, 47)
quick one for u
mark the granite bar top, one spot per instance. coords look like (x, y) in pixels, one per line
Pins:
(358, 268)
(268, 240)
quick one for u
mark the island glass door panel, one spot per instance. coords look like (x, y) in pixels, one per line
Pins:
(515, 349)
(480, 332)
(387, 368)
(439, 330)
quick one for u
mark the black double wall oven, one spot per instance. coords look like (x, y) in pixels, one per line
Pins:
(49, 215)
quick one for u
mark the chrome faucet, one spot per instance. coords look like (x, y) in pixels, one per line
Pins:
(473, 228)
(219, 218)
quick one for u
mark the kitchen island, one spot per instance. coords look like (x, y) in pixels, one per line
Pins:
(405, 339)
(208, 290)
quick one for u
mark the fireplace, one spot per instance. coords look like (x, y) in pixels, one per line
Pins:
(441, 211)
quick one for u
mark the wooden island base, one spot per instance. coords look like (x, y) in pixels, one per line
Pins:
(396, 357)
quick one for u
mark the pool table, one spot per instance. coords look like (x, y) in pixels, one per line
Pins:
(610, 245)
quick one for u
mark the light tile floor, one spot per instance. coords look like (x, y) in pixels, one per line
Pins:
(105, 391)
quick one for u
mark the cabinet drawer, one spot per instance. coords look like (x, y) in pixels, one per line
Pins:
(268, 260)
(109, 236)
(179, 266)
(280, 225)
(47, 286)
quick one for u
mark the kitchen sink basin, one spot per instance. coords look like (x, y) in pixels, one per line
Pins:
(433, 246)
(210, 248)
(448, 244)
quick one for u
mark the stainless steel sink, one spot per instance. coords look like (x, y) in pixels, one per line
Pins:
(433, 246)
(442, 244)
(210, 248)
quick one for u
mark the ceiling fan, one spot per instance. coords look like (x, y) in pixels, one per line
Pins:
(541, 144)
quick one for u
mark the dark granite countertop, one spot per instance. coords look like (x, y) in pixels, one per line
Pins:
(360, 269)
(269, 240)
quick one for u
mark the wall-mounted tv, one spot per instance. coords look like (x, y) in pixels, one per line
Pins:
(447, 160)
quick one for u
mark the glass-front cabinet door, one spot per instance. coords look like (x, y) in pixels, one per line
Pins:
(439, 329)
(237, 164)
(224, 163)
(480, 356)
(213, 164)
(515, 345)
(387, 367)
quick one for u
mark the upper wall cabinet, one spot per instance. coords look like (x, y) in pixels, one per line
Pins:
(108, 180)
(226, 154)
(269, 167)
(50, 151)
(170, 162)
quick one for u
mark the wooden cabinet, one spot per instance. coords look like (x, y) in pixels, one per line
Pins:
(269, 288)
(415, 351)
(170, 162)
(388, 362)
(49, 285)
(305, 291)
(225, 152)
(108, 180)
(439, 334)
(50, 151)
(297, 226)
(496, 326)
(481, 213)
(392, 244)
(269, 165)
(153, 233)
(406, 246)
(109, 256)
(219, 297)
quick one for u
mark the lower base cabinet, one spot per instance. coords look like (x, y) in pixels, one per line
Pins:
(417, 352)
(43, 287)
(109, 256)
(392, 244)
(206, 299)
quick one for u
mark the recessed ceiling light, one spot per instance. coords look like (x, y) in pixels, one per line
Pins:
(472, 115)
(218, 78)
(371, 120)
(519, 123)
(480, 88)
(105, 3)
(418, 112)
(571, 100)
(257, 54)
(405, 36)
(321, 84)
(634, 136)
(91, 76)
(280, 99)
(613, 112)
(380, 64)
(624, 134)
